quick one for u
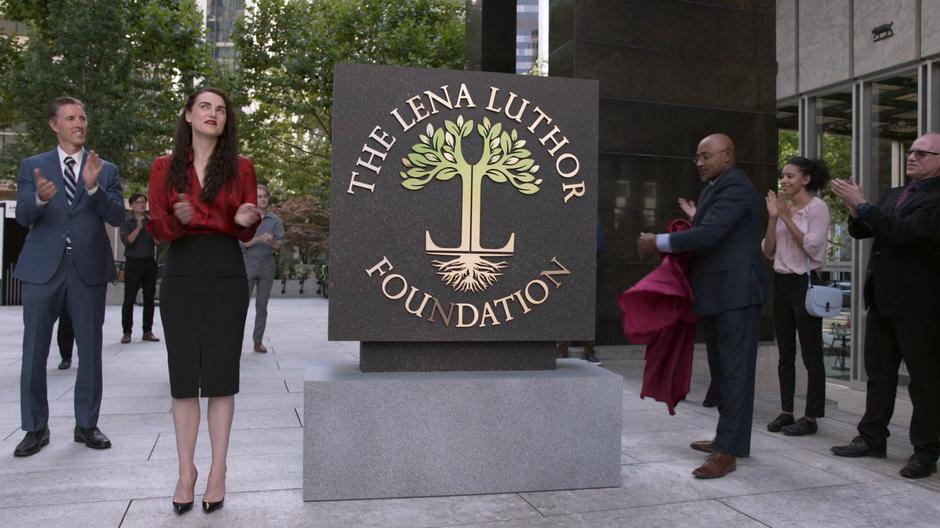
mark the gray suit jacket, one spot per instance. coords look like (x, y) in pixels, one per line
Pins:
(727, 271)
(84, 221)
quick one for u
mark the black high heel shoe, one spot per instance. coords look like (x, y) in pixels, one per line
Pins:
(210, 507)
(182, 507)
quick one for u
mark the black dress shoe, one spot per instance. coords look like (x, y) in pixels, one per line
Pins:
(804, 426)
(859, 448)
(92, 437)
(591, 358)
(918, 466)
(65, 364)
(709, 403)
(780, 422)
(32, 443)
(182, 507)
(210, 507)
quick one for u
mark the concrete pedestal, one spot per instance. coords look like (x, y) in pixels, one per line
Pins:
(411, 434)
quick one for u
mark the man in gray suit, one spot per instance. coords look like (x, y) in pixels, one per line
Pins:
(65, 195)
(259, 263)
(727, 275)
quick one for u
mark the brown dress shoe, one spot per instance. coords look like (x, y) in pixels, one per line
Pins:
(126, 339)
(716, 465)
(260, 348)
(706, 446)
(149, 336)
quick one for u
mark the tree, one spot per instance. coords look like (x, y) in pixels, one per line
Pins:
(439, 156)
(306, 232)
(132, 62)
(287, 49)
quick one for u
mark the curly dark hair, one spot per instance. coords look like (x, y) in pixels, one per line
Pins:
(222, 168)
(817, 170)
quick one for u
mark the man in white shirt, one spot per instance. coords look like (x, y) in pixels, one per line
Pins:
(65, 195)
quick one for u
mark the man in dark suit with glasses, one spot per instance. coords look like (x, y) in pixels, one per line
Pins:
(902, 294)
(727, 276)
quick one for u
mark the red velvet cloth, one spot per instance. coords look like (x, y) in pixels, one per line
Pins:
(657, 311)
(215, 217)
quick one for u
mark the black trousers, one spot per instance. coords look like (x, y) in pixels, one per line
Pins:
(791, 320)
(138, 273)
(888, 341)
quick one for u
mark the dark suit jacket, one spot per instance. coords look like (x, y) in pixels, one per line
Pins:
(84, 221)
(727, 271)
(903, 278)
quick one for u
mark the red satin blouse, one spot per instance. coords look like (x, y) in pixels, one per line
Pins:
(215, 217)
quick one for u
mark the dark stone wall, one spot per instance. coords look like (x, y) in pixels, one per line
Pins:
(670, 73)
(491, 36)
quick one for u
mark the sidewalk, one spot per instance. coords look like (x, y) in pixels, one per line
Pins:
(786, 481)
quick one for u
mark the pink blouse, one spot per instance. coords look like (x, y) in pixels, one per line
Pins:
(813, 220)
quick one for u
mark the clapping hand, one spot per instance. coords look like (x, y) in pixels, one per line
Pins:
(850, 194)
(183, 210)
(688, 207)
(771, 200)
(45, 189)
(92, 170)
(784, 208)
(247, 214)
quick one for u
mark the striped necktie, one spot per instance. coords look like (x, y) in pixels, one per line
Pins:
(69, 180)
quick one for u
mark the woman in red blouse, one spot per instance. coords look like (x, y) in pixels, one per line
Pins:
(202, 200)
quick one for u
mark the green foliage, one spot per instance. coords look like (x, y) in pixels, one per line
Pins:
(837, 152)
(287, 51)
(306, 235)
(132, 62)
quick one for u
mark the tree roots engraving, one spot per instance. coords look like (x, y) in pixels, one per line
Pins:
(469, 272)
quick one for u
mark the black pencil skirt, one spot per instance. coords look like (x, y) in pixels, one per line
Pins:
(203, 304)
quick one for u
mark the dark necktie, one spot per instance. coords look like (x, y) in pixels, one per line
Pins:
(69, 180)
(905, 194)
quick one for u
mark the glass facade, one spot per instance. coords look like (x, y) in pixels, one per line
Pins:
(863, 130)
(527, 36)
(220, 22)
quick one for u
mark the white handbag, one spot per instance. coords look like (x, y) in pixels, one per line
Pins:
(821, 301)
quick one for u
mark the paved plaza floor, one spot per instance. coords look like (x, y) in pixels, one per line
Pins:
(786, 481)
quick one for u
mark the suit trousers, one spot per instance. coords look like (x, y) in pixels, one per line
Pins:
(888, 341)
(260, 274)
(734, 336)
(139, 273)
(791, 320)
(41, 306)
(65, 335)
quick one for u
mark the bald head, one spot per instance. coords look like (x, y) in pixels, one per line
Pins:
(923, 160)
(715, 155)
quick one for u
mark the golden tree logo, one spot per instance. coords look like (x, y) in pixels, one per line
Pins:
(439, 156)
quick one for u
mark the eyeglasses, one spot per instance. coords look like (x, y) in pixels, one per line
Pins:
(921, 154)
(705, 156)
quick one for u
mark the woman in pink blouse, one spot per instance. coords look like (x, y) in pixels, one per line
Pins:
(796, 241)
